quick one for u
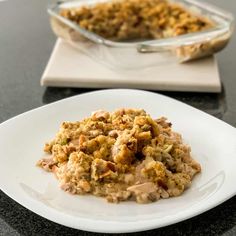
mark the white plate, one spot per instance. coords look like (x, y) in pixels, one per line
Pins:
(22, 138)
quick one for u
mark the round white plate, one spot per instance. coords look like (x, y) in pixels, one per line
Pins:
(22, 138)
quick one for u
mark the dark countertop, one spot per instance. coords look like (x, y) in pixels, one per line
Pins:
(26, 42)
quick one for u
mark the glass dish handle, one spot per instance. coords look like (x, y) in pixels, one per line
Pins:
(189, 47)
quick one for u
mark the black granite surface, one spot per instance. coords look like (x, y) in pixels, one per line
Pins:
(26, 42)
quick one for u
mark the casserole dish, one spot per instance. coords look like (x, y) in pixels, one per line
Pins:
(140, 53)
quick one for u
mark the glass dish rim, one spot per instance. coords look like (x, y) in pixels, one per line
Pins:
(185, 39)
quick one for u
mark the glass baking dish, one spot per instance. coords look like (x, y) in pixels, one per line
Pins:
(140, 54)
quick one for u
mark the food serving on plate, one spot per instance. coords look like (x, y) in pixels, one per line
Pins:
(123, 155)
(137, 19)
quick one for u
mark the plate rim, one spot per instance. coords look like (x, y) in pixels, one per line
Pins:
(157, 93)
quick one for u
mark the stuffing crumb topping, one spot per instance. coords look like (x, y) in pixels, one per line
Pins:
(137, 19)
(122, 155)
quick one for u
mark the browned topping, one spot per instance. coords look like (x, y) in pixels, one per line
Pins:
(137, 19)
(124, 155)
